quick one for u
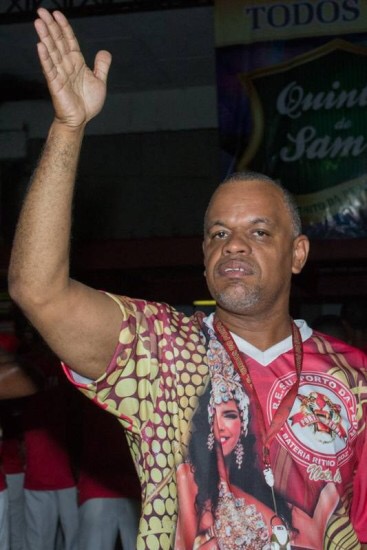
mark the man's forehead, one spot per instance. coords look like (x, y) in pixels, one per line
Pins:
(261, 191)
(251, 220)
(242, 186)
(247, 200)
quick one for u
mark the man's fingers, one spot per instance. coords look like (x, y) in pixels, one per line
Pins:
(67, 31)
(102, 65)
(48, 66)
(58, 38)
(45, 37)
(78, 93)
(41, 28)
(54, 29)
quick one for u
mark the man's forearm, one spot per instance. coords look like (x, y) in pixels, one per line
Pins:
(40, 256)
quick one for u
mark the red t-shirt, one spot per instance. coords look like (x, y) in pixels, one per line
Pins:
(154, 384)
(106, 467)
(12, 456)
(47, 426)
(323, 439)
(11, 420)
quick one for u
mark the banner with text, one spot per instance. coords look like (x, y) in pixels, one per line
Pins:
(292, 99)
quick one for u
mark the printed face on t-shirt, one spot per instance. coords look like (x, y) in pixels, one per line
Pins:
(227, 426)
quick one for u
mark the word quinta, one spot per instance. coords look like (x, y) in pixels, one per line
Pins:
(293, 100)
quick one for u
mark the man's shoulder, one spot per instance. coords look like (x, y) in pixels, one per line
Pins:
(325, 344)
(155, 313)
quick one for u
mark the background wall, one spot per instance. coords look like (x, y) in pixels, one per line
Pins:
(149, 162)
(129, 185)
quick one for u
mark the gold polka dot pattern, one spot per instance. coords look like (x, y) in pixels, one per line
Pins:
(152, 385)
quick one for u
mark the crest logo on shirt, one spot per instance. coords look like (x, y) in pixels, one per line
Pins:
(321, 415)
(322, 423)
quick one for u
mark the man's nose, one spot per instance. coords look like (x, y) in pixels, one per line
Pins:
(237, 244)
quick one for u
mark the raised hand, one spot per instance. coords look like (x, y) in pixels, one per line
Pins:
(77, 92)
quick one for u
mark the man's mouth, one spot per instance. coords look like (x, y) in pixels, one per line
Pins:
(235, 269)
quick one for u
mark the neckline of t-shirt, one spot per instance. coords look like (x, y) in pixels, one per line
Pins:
(266, 357)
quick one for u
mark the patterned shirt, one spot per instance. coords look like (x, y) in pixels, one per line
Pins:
(159, 372)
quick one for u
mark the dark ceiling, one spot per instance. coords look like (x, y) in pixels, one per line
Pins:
(155, 45)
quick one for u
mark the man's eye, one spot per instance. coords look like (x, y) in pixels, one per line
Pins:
(219, 235)
(261, 233)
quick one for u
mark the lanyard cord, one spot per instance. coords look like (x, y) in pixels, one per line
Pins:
(282, 412)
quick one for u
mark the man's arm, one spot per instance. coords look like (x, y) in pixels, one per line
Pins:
(80, 324)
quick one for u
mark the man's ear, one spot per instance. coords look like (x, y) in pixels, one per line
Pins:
(301, 247)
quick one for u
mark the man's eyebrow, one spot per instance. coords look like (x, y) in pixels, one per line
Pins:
(253, 221)
(217, 222)
(210, 225)
(258, 220)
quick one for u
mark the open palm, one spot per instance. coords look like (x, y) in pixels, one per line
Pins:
(77, 92)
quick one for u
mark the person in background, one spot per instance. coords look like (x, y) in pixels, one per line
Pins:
(13, 463)
(50, 493)
(108, 486)
(4, 510)
(148, 364)
(331, 324)
(15, 383)
(15, 380)
(354, 315)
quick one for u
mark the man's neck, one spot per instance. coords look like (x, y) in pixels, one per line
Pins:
(262, 333)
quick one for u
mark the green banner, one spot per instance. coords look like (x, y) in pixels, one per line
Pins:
(295, 109)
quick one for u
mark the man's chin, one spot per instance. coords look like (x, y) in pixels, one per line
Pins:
(237, 300)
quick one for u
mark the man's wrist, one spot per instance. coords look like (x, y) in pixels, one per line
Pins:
(62, 128)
